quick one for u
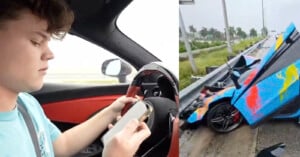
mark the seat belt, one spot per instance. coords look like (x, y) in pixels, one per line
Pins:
(31, 129)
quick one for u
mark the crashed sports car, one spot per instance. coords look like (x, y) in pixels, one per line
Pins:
(129, 69)
(269, 89)
(243, 66)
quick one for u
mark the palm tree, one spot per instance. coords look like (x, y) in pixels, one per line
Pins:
(203, 32)
(232, 32)
(253, 32)
(240, 33)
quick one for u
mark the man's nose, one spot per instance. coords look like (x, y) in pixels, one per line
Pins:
(47, 54)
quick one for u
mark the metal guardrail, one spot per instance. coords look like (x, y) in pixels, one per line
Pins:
(192, 92)
(184, 56)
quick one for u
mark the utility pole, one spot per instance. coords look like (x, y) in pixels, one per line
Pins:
(187, 45)
(226, 27)
(263, 18)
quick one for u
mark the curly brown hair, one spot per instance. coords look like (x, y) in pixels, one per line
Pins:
(56, 12)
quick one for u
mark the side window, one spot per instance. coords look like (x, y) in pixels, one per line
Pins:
(77, 61)
(154, 30)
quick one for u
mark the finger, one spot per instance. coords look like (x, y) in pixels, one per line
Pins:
(126, 100)
(142, 125)
(131, 127)
(119, 117)
(137, 97)
(142, 133)
(110, 126)
(119, 104)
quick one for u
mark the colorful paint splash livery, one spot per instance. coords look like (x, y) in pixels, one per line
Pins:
(269, 90)
(200, 112)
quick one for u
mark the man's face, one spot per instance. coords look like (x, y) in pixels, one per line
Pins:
(24, 53)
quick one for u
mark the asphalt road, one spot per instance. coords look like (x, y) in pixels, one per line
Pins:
(245, 141)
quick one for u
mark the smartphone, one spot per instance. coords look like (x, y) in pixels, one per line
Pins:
(140, 110)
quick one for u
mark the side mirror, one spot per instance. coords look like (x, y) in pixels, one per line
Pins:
(234, 75)
(116, 68)
(253, 63)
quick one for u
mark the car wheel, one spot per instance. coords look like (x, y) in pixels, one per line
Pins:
(224, 118)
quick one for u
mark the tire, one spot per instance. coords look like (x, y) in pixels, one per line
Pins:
(224, 118)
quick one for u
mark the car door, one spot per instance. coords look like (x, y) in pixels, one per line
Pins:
(276, 84)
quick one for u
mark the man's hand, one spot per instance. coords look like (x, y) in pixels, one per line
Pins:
(127, 141)
(117, 106)
(88, 131)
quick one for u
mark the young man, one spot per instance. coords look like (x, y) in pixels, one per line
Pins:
(26, 26)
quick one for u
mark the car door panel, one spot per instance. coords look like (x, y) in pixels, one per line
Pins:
(77, 110)
(68, 105)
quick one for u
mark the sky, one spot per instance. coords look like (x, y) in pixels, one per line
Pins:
(247, 14)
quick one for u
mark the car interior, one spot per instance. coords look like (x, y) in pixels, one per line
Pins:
(68, 105)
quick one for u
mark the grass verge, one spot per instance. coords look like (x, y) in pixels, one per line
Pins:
(212, 58)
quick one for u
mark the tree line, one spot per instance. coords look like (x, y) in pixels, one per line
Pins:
(214, 34)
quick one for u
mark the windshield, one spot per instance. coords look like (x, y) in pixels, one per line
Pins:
(153, 25)
(153, 30)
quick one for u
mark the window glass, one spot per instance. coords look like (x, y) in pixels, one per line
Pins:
(154, 25)
(77, 61)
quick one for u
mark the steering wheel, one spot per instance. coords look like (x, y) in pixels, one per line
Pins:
(165, 79)
(163, 121)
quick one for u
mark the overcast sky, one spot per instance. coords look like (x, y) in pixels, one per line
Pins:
(246, 14)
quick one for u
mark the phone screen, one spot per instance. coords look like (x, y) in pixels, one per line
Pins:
(140, 110)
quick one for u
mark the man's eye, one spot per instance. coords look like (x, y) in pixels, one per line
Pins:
(35, 43)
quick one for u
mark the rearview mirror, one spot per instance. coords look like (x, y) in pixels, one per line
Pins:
(234, 75)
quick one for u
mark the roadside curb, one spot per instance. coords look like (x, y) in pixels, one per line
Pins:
(194, 143)
(254, 142)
